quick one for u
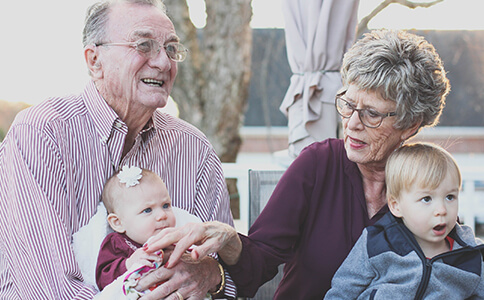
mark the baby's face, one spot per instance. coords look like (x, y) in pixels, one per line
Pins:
(145, 209)
(430, 214)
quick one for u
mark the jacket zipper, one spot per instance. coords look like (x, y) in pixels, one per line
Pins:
(427, 265)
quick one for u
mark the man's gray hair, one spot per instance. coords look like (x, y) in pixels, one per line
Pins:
(97, 17)
(400, 67)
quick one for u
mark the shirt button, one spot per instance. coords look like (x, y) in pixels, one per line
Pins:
(118, 124)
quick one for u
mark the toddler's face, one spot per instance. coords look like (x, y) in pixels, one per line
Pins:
(145, 209)
(430, 214)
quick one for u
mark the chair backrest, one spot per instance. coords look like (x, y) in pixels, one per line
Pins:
(261, 186)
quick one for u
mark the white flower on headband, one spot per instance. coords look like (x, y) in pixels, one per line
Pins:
(130, 176)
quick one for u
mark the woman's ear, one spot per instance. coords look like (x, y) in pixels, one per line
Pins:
(116, 223)
(409, 132)
(91, 56)
(394, 207)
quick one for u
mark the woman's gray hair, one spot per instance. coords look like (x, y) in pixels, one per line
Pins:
(401, 67)
(97, 17)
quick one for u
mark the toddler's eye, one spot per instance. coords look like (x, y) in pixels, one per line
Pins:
(147, 210)
(426, 199)
(166, 205)
(450, 197)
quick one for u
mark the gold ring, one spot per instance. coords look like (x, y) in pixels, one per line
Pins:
(180, 297)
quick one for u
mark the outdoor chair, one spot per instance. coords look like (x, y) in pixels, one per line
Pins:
(261, 186)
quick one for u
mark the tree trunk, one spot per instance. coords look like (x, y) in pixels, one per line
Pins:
(212, 84)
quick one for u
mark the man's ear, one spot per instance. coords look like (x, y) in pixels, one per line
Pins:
(116, 223)
(394, 207)
(91, 55)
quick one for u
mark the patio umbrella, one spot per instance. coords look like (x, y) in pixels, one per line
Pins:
(318, 33)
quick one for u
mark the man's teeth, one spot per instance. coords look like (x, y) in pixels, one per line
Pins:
(152, 81)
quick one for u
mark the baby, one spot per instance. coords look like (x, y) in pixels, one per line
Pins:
(418, 251)
(138, 206)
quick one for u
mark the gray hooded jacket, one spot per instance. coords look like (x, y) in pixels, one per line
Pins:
(387, 263)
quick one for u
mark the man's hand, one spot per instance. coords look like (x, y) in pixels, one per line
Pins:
(192, 279)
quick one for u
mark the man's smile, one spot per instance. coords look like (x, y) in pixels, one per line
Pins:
(153, 82)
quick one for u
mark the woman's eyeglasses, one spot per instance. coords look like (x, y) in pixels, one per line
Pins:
(368, 117)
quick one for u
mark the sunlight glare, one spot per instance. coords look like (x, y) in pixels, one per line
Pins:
(446, 15)
(42, 54)
(197, 12)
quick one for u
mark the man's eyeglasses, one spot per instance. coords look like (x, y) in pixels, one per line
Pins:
(368, 117)
(150, 48)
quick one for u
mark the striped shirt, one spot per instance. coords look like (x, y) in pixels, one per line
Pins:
(54, 162)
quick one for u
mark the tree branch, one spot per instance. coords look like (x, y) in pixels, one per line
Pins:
(412, 4)
(363, 25)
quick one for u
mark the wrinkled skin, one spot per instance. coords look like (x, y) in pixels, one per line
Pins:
(191, 278)
(208, 237)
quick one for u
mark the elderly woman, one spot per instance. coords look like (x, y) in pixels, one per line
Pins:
(394, 84)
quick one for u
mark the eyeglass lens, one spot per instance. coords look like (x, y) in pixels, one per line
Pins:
(367, 117)
(175, 51)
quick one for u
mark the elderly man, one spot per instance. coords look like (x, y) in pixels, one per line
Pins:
(57, 156)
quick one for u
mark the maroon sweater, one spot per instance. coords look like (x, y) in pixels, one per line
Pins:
(312, 220)
(111, 261)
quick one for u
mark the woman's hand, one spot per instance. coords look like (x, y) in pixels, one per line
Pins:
(208, 237)
(189, 278)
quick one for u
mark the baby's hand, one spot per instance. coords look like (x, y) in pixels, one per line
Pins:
(142, 258)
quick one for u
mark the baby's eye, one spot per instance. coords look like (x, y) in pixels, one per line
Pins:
(426, 199)
(166, 205)
(147, 210)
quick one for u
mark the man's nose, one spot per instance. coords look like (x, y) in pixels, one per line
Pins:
(161, 60)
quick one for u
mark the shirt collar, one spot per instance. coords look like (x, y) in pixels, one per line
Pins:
(104, 117)
(148, 131)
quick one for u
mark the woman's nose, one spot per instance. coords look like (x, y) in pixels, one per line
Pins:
(354, 121)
